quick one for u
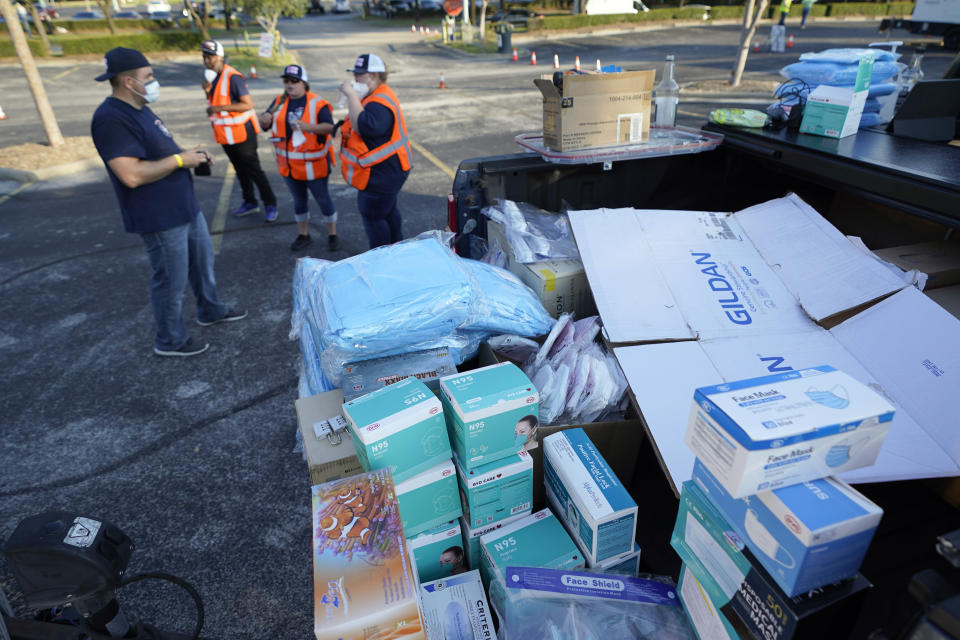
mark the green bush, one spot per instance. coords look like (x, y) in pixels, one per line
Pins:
(900, 8)
(686, 13)
(726, 12)
(857, 9)
(72, 45)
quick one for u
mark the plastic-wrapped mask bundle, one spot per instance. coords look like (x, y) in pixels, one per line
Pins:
(504, 302)
(837, 74)
(534, 234)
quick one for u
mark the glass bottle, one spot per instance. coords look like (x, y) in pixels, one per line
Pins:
(667, 96)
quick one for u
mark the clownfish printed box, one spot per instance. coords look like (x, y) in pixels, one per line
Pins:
(472, 535)
(400, 427)
(491, 413)
(777, 430)
(497, 490)
(429, 499)
(363, 582)
(438, 553)
(536, 540)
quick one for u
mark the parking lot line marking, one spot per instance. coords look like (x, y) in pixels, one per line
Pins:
(63, 73)
(434, 159)
(17, 190)
(220, 215)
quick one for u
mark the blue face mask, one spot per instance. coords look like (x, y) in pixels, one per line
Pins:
(834, 399)
(838, 455)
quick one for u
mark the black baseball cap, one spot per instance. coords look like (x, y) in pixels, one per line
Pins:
(368, 63)
(120, 59)
(295, 72)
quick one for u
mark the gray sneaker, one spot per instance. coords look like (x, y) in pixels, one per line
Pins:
(188, 348)
(232, 315)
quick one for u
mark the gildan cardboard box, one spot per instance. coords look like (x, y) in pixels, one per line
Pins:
(455, 608)
(472, 535)
(429, 499)
(939, 260)
(734, 597)
(360, 378)
(536, 540)
(778, 430)
(363, 582)
(327, 458)
(596, 110)
(400, 427)
(497, 490)
(438, 552)
(834, 112)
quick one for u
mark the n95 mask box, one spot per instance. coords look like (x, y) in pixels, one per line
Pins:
(763, 433)
(497, 490)
(587, 496)
(806, 535)
(429, 499)
(536, 540)
(491, 413)
(455, 608)
(400, 428)
(472, 535)
(438, 552)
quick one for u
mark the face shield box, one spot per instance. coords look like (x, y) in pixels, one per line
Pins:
(359, 555)
(587, 496)
(490, 413)
(536, 540)
(360, 378)
(806, 535)
(773, 431)
(438, 552)
(498, 490)
(456, 607)
(733, 591)
(472, 535)
(399, 427)
(429, 499)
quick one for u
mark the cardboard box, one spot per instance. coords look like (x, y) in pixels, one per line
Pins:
(438, 552)
(777, 430)
(497, 490)
(429, 499)
(326, 459)
(400, 427)
(360, 378)
(560, 284)
(587, 496)
(948, 298)
(536, 540)
(834, 112)
(363, 582)
(472, 535)
(490, 413)
(735, 597)
(939, 260)
(806, 535)
(627, 564)
(596, 110)
(456, 607)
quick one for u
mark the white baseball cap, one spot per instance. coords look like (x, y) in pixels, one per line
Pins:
(368, 63)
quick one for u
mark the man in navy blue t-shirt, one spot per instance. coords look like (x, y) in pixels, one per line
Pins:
(151, 177)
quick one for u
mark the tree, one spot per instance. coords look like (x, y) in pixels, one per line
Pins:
(40, 26)
(105, 7)
(202, 22)
(268, 12)
(19, 41)
(751, 19)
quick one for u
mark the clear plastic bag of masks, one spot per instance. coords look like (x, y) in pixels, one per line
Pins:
(549, 604)
(534, 235)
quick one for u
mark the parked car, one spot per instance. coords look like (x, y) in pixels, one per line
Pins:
(127, 15)
(341, 6)
(316, 7)
(517, 17)
(161, 15)
(430, 5)
(399, 6)
(87, 15)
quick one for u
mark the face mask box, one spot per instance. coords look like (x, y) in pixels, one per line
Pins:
(489, 412)
(360, 378)
(806, 535)
(773, 431)
(627, 564)
(472, 535)
(438, 552)
(456, 607)
(399, 427)
(536, 540)
(497, 490)
(835, 112)
(728, 594)
(587, 496)
(363, 582)
(429, 499)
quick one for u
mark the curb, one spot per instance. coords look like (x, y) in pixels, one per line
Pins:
(21, 175)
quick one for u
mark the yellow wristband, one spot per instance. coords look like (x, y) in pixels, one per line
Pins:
(179, 160)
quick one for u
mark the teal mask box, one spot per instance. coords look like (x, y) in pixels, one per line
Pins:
(497, 490)
(471, 536)
(429, 499)
(400, 427)
(536, 540)
(438, 552)
(627, 564)
(491, 413)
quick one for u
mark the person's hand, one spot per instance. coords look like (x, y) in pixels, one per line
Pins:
(266, 119)
(196, 157)
(211, 110)
(347, 89)
(336, 128)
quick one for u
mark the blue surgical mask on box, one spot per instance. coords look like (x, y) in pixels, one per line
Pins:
(536, 540)
(400, 427)
(497, 490)
(438, 552)
(429, 499)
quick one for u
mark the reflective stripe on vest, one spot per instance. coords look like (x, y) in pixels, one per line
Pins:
(229, 127)
(383, 152)
(313, 163)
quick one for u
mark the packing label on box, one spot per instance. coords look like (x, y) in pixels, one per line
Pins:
(704, 614)
(456, 607)
(472, 535)
(429, 499)
(536, 540)
(497, 490)
(438, 552)
(400, 427)
(589, 498)
(767, 432)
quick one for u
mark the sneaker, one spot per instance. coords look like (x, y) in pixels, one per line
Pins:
(245, 209)
(270, 213)
(188, 348)
(232, 315)
(302, 242)
(333, 242)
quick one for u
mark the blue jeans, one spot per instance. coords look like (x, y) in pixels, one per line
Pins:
(179, 255)
(301, 207)
(381, 217)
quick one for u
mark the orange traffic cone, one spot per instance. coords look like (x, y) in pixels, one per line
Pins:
(756, 47)
(515, 54)
(3, 116)
(413, 28)
(576, 63)
(421, 29)
(533, 57)
(253, 72)
(556, 61)
(790, 41)
(443, 82)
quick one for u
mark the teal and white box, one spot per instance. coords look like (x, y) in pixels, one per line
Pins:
(498, 490)
(782, 429)
(472, 535)
(627, 564)
(436, 552)
(806, 535)
(835, 112)
(400, 428)
(536, 540)
(491, 413)
(706, 616)
(456, 608)
(587, 496)
(429, 499)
